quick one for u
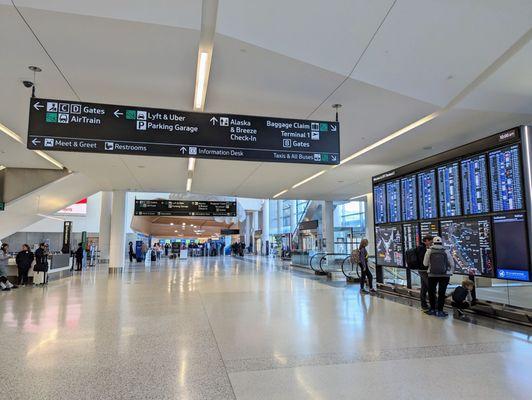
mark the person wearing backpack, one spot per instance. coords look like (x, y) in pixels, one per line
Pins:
(440, 268)
(422, 270)
(361, 257)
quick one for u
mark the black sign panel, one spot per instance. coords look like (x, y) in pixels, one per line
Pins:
(62, 125)
(67, 232)
(229, 232)
(185, 208)
(306, 225)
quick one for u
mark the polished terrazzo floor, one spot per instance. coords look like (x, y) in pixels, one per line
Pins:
(223, 328)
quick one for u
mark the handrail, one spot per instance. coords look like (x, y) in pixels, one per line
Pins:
(312, 257)
(347, 275)
(325, 256)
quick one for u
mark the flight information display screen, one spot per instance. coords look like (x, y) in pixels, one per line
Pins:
(449, 190)
(411, 238)
(505, 179)
(475, 185)
(469, 241)
(426, 184)
(379, 203)
(511, 244)
(393, 201)
(409, 198)
(428, 228)
(389, 243)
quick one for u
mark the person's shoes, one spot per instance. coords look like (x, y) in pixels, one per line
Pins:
(430, 312)
(441, 314)
(363, 291)
(6, 289)
(425, 307)
(373, 291)
(14, 287)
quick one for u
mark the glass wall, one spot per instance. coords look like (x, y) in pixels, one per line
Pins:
(349, 225)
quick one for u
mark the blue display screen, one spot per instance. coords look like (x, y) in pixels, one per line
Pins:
(409, 198)
(393, 201)
(426, 183)
(475, 185)
(511, 247)
(505, 179)
(449, 190)
(379, 203)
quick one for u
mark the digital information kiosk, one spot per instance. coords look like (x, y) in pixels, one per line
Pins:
(477, 197)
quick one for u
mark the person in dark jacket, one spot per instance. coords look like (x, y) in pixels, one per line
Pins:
(41, 259)
(365, 273)
(423, 274)
(79, 257)
(131, 252)
(5, 285)
(24, 259)
(464, 295)
(440, 265)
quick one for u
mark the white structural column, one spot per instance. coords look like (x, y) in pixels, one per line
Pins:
(265, 227)
(328, 225)
(370, 224)
(293, 216)
(118, 231)
(104, 236)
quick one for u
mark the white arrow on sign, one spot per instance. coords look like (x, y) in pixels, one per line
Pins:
(333, 128)
(183, 150)
(117, 113)
(214, 120)
(35, 141)
(38, 106)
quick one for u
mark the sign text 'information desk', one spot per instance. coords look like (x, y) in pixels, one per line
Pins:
(61, 125)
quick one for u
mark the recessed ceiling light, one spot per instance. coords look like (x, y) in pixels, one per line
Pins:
(427, 148)
(34, 68)
(171, 223)
(141, 166)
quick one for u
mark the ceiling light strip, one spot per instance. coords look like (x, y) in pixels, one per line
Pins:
(309, 179)
(50, 159)
(359, 196)
(280, 193)
(10, 133)
(191, 164)
(189, 184)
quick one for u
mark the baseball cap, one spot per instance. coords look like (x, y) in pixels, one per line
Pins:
(437, 240)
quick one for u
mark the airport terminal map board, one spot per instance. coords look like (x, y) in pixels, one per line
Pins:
(427, 194)
(449, 190)
(475, 185)
(505, 178)
(379, 198)
(393, 201)
(469, 241)
(62, 125)
(477, 197)
(389, 243)
(409, 198)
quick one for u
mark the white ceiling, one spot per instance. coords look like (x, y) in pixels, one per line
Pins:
(272, 58)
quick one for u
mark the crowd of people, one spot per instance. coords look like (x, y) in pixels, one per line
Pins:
(25, 260)
(435, 266)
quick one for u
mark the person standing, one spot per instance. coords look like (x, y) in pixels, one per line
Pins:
(131, 252)
(143, 250)
(423, 274)
(24, 259)
(440, 269)
(41, 264)
(79, 257)
(5, 285)
(365, 273)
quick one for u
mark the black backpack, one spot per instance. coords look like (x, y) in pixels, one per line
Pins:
(438, 262)
(412, 259)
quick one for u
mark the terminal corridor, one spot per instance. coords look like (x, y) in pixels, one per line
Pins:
(226, 328)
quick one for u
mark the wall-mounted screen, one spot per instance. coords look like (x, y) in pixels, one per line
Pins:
(389, 245)
(428, 228)
(475, 185)
(409, 198)
(505, 179)
(510, 243)
(426, 186)
(379, 203)
(411, 238)
(449, 190)
(393, 201)
(469, 241)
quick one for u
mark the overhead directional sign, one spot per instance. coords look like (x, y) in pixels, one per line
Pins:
(62, 125)
(185, 208)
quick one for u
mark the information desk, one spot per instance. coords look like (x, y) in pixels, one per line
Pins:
(58, 267)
